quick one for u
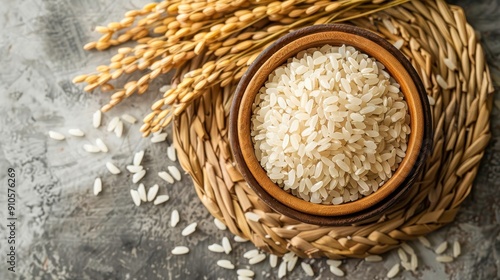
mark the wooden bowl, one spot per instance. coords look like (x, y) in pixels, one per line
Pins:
(420, 138)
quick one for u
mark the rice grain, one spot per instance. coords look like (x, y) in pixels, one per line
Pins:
(76, 132)
(444, 259)
(112, 124)
(180, 250)
(175, 172)
(97, 186)
(161, 199)
(135, 197)
(307, 269)
(189, 229)
(56, 135)
(119, 129)
(245, 272)
(91, 148)
(142, 192)
(226, 245)
(100, 144)
(152, 191)
(138, 158)
(112, 168)
(138, 176)
(393, 271)
(456, 249)
(128, 118)
(174, 218)
(441, 248)
(171, 153)
(134, 168)
(220, 225)
(225, 264)
(96, 119)
(216, 248)
(165, 176)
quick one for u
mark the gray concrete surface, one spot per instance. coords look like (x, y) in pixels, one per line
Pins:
(64, 232)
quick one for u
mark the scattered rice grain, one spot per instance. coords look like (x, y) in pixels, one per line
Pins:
(135, 197)
(128, 118)
(100, 144)
(441, 248)
(97, 186)
(142, 193)
(96, 119)
(152, 192)
(257, 259)
(175, 172)
(216, 248)
(307, 269)
(56, 135)
(112, 168)
(226, 245)
(444, 259)
(138, 176)
(180, 250)
(393, 271)
(76, 132)
(225, 264)
(220, 225)
(456, 249)
(165, 176)
(189, 229)
(174, 218)
(138, 158)
(161, 199)
(171, 153)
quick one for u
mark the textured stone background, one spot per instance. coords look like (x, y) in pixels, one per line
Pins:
(65, 232)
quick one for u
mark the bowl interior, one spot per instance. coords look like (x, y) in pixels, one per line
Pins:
(277, 55)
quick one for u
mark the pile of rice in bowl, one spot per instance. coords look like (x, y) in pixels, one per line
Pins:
(331, 125)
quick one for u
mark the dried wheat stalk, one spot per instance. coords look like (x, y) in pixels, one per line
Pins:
(227, 35)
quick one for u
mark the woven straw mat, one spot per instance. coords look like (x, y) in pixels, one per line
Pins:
(442, 47)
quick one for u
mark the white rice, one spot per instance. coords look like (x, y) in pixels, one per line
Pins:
(152, 192)
(374, 258)
(175, 172)
(135, 197)
(444, 259)
(56, 135)
(174, 218)
(226, 245)
(441, 248)
(96, 119)
(291, 264)
(142, 192)
(225, 264)
(134, 168)
(456, 249)
(138, 158)
(128, 118)
(407, 248)
(112, 168)
(450, 64)
(189, 229)
(335, 263)
(119, 129)
(180, 250)
(171, 153)
(159, 138)
(393, 271)
(100, 144)
(331, 125)
(398, 44)
(240, 239)
(257, 259)
(216, 248)
(402, 255)
(307, 269)
(112, 124)
(161, 199)
(441, 82)
(245, 272)
(220, 225)
(97, 186)
(244, 278)
(273, 260)
(76, 132)
(336, 271)
(414, 262)
(91, 148)
(282, 270)
(138, 176)
(251, 253)
(165, 176)
(252, 216)
(424, 241)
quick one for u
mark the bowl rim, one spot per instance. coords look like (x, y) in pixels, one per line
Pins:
(361, 39)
